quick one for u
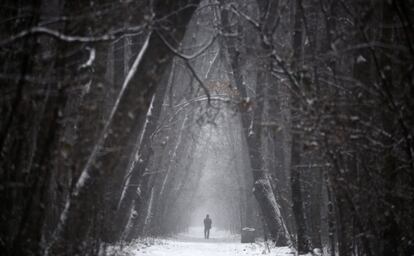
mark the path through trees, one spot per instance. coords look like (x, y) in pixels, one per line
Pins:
(123, 120)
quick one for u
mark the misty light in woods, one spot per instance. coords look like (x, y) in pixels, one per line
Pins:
(207, 127)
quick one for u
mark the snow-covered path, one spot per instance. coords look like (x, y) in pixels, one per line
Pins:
(193, 244)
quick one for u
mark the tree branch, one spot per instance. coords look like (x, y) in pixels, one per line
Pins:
(68, 38)
(187, 59)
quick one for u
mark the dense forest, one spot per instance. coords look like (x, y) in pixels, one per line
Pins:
(127, 119)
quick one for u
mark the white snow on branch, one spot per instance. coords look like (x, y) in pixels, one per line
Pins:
(361, 59)
(86, 170)
(69, 38)
(92, 54)
(137, 156)
(85, 174)
(174, 155)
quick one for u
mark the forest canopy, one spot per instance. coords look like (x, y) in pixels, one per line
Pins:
(122, 120)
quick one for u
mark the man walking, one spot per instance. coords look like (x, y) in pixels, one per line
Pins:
(207, 227)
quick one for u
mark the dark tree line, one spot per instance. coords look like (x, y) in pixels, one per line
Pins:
(65, 120)
(103, 104)
(348, 70)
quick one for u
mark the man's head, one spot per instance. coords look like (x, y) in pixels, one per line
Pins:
(208, 216)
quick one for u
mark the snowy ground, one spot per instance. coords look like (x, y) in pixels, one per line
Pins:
(193, 244)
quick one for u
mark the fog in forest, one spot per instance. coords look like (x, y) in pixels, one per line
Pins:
(207, 127)
(218, 192)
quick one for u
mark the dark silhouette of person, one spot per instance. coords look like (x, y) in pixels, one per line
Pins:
(207, 227)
